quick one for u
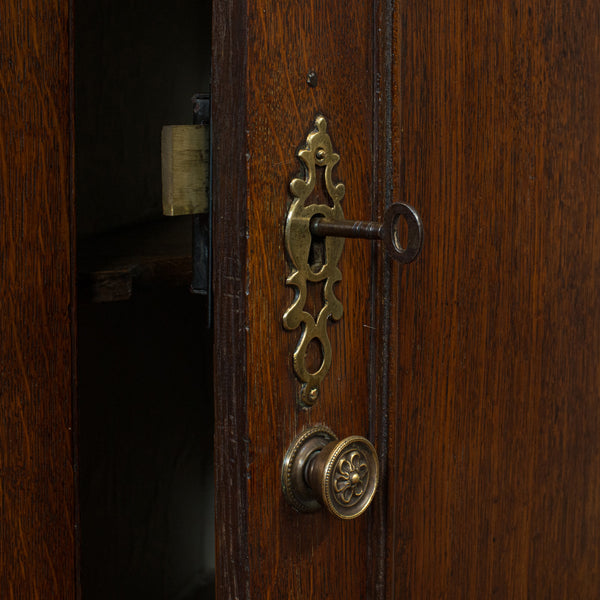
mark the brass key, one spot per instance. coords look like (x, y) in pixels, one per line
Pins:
(386, 231)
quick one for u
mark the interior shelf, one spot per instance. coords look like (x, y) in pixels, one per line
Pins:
(112, 266)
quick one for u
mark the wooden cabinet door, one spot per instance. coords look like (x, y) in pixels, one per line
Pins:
(496, 467)
(276, 67)
(474, 371)
(37, 479)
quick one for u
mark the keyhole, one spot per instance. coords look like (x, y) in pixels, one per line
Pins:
(317, 256)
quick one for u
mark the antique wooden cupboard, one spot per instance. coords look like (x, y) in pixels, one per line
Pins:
(474, 370)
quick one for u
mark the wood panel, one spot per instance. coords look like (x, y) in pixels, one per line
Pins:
(37, 507)
(308, 554)
(263, 108)
(495, 465)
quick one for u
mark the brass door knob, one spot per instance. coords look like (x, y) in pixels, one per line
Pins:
(320, 470)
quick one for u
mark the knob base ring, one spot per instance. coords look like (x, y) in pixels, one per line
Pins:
(297, 458)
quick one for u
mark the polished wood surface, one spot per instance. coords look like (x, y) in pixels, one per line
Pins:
(229, 264)
(265, 548)
(37, 506)
(482, 398)
(495, 467)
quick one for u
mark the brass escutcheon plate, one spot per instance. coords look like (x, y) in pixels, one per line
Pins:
(318, 153)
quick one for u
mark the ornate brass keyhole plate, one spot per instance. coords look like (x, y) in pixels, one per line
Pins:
(318, 153)
(314, 240)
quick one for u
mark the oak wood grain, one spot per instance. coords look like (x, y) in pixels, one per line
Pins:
(262, 56)
(482, 394)
(228, 107)
(495, 468)
(37, 498)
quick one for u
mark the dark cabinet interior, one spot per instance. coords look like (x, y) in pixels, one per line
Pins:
(145, 414)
